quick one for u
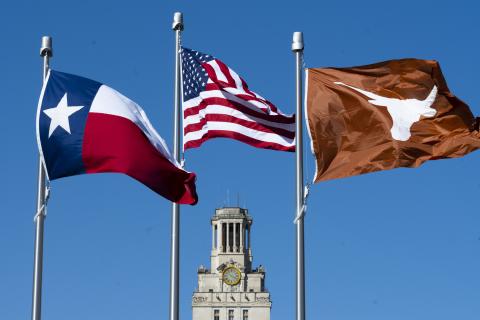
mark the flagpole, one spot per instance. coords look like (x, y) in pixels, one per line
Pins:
(45, 52)
(177, 27)
(297, 48)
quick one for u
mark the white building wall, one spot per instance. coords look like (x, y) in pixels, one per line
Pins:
(254, 313)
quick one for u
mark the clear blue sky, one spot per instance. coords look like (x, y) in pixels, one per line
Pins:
(403, 244)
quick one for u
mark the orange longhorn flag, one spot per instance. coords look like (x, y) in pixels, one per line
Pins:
(392, 114)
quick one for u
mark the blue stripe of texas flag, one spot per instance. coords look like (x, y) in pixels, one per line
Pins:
(62, 151)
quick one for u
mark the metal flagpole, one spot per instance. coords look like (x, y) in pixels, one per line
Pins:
(297, 48)
(42, 194)
(177, 27)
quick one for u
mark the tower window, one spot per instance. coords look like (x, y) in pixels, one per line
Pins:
(216, 314)
(245, 315)
(230, 314)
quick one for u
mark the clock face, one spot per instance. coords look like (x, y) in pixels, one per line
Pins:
(231, 276)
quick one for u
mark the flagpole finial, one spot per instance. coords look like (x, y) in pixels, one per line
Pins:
(46, 49)
(297, 43)
(177, 21)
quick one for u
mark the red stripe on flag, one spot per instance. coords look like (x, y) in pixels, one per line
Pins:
(239, 107)
(115, 144)
(226, 72)
(213, 76)
(245, 96)
(248, 124)
(236, 136)
(245, 87)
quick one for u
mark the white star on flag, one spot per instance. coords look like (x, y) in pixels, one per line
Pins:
(59, 115)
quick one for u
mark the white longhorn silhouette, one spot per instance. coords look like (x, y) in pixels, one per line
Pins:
(404, 113)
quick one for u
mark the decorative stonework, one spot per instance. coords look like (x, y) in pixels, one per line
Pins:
(262, 299)
(199, 299)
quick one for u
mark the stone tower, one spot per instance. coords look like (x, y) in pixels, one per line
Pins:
(231, 289)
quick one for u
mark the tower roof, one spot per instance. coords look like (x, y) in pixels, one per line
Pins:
(231, 213)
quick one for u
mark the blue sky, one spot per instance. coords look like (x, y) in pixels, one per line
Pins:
(402, 244)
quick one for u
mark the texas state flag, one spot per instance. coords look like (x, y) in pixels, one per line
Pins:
(84, 126)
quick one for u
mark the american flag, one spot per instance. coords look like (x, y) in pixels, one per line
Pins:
(218, 103)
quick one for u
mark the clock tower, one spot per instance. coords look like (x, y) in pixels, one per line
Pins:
(231, 289)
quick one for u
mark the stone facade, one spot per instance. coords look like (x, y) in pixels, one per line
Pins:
(231, 289)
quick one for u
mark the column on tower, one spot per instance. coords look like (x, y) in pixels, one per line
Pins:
(239, 236)
(228, 238)
(242, 236)
(213, 236)
(249, 244)
(234, 248)
(232, 240)
(239, 232)
(224, 237)
(230, 226)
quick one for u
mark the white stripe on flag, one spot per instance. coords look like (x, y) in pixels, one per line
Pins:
(224, 95)
(218, 72)
(236, 78)
(110, 101)
(219, 109)
(233, 127)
